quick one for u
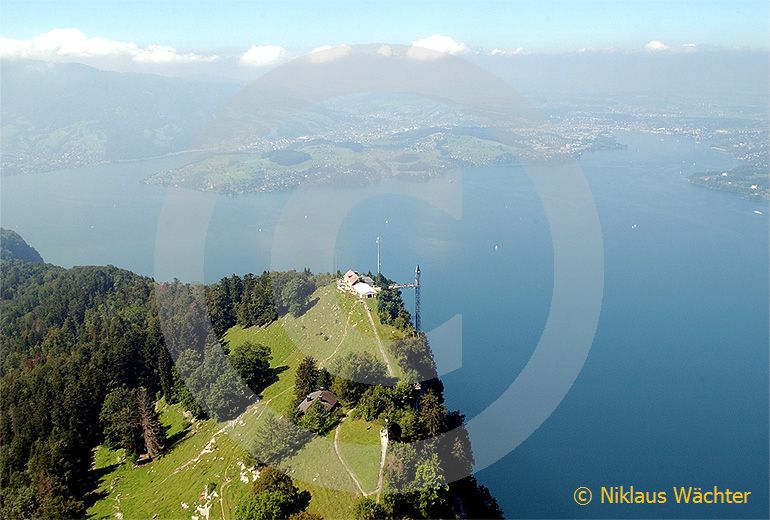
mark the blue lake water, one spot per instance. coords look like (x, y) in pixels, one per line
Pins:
(675, 387)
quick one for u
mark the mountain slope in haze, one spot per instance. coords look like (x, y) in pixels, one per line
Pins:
(60, 115)
(13, 247)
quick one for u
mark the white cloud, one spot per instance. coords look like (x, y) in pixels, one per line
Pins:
(260, 55)
(656, 46)
(385, 50)
(442, 44)
(503, 52)
(64, 43)
(165, 54)
(72, 43)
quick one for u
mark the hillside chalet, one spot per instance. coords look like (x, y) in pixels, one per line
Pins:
(358, 284)
(325, 397)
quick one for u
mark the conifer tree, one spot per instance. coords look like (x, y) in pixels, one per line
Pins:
(152, 431)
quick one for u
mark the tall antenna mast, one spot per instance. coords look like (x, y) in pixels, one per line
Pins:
(378, 255)
(417, 298)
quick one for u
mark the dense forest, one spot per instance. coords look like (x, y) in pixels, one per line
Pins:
(77, 341)
(69, 337)
(87, 351)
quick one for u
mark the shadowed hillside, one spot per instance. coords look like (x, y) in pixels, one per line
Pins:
(13, 247)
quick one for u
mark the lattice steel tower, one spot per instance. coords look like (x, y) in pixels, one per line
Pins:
(417, 298)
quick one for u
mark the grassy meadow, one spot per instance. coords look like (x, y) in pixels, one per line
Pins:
(207, 469)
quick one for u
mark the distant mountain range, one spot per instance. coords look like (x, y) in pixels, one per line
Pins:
(60, 115)
(367, 115)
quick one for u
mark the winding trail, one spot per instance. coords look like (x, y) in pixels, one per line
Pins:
(224, 485)
(384, 434)
(345, 464)
(383, 452)
(391, 373)
(344, 335)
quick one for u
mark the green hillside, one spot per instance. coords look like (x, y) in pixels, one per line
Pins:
(206, 452)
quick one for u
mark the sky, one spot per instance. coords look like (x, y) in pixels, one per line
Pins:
(538, 26)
